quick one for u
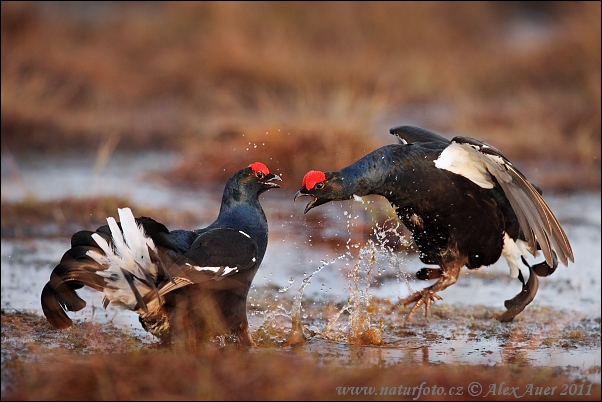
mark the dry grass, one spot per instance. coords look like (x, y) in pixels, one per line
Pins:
(264, 375)
(210, 79)
(73, 214)
(196, 76)
(135, 372)
(290, 154)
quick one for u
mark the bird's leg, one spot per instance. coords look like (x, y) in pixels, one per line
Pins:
(425, 274)
(244, 335)
(449, 276)
(426, 297)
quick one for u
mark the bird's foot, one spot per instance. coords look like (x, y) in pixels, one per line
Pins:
(521, 300)
(425, 296)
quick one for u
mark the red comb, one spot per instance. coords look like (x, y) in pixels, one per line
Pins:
(312, 177)
(259, 167)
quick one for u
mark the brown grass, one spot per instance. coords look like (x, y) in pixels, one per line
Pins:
(134, 371)
(264, 375)
(74, 214)
(330, 76)
(289, 154)
(297, 86)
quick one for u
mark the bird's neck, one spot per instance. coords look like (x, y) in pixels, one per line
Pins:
(233, 197)
(367, 175)
(243, 211)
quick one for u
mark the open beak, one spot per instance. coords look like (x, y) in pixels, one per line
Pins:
(269, 180)
(310, 204)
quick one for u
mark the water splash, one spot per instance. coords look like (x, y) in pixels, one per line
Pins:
(362, 326)
(275, 325)
(287, 287)
(360, 330)
(383, 235)
(356, 321)
(297, 336)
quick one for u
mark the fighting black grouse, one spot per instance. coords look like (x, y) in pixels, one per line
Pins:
(463, 201)
(187, 286)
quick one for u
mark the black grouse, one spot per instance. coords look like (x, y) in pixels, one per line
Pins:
(463, 201)
(187, 286)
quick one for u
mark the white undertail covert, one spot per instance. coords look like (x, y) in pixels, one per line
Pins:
(130, 252)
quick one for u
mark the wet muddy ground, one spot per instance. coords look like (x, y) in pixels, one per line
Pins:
(331, 270)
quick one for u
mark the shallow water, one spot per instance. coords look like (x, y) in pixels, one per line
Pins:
(351, 280)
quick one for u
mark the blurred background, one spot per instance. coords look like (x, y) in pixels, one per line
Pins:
(153, 105)
(300, 85)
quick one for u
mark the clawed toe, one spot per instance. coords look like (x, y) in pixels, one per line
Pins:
(425, 297)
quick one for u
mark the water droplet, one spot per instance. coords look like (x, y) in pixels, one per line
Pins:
(285, 288)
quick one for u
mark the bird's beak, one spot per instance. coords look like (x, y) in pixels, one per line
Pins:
(269, 180)
(298, 194)
(310, 204)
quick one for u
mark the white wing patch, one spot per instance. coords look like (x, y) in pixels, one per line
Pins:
(483, 165)
(211, 269)
(227, 270)
(512, 251)
(460, 160)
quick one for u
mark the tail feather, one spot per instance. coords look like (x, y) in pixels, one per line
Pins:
(115, 260)
(77, 252)
(65, 294)
(84, 238)
(74, 271)
(80, 272)
(135, 237)
(127, 262)
(130, 280)
(119, 245)
(53, 309)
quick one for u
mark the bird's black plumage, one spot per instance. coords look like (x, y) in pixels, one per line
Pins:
(186, 285)
(463, 201)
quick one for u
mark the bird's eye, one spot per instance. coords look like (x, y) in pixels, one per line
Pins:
(259, 174)
(320, 185)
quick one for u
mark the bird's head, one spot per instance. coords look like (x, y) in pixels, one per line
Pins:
(259, 173)
(321, 187)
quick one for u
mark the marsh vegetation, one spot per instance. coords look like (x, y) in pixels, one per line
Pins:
(154, 105)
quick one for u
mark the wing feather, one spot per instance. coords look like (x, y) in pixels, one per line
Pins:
(411, 135)
(535, 217)
(215, 254)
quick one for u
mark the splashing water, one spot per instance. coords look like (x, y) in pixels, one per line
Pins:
(360, 329)
(274, 325)
(287, 287)
(297, 336)
(394, 259)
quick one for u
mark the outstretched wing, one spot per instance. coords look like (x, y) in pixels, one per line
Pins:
(411, 135)
(481, 163)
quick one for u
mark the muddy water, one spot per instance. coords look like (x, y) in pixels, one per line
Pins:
(332, 271)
